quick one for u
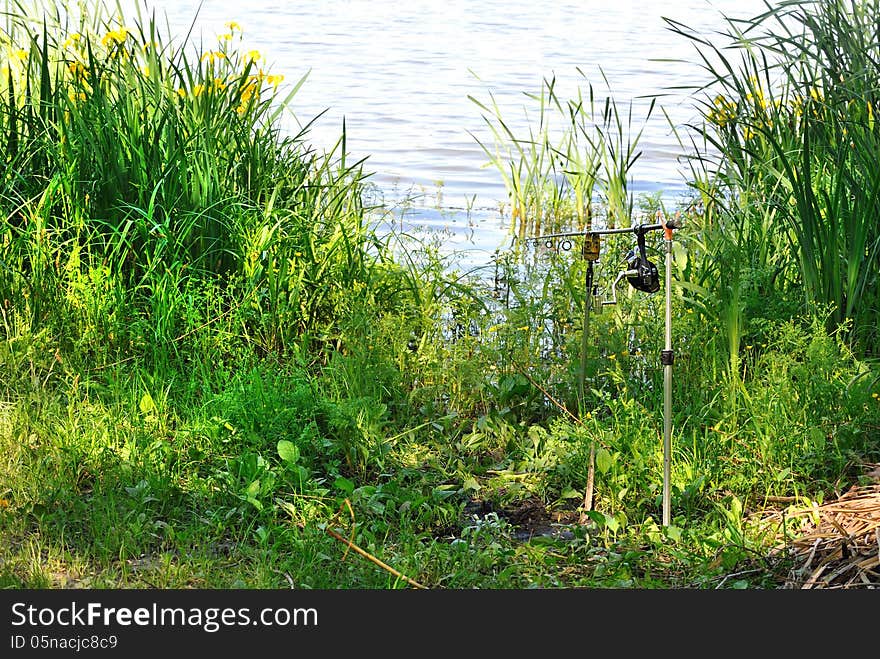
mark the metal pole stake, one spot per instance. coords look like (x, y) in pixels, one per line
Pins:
(667, 359)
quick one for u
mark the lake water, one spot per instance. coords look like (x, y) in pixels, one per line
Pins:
(400, 74)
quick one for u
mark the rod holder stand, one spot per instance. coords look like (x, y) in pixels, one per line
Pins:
(620, 275)
(590, 251)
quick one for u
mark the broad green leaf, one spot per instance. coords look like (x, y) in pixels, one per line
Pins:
(288, 451)
(570, 493)
(442, 492)
(679, 255)
(612, 523)
(253, 489)
(673, 533)
(344, 484)
(603, 460)
(471, 484)
(147, 405)
(736, 509)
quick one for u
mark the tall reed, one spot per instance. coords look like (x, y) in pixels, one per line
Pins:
(790, 123)
(577, 154)
(165, 164)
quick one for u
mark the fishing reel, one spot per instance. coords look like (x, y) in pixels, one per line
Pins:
(641, 273)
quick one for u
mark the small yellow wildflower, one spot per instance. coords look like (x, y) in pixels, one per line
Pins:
(146, 70)
(198, 89)
(225, 37)
(723, 112)
(254, 55)
(115, 37)
(75, 96)
(232, 26)
(759, 97)
(78, 70)
(211, 55)
(519, 329)
(219, 83)
(72, 40)
(249, 91)
(875, 396)
(4, 503)
(181, 92)
(612, 356)
(275, 80)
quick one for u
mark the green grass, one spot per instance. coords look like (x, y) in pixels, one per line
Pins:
(213, 366)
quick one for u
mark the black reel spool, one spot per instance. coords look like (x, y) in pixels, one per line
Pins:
(646, 277)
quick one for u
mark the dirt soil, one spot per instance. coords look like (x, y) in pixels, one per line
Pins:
(529, 518)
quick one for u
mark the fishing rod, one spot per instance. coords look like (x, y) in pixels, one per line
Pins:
(642, 275)
(670, 224)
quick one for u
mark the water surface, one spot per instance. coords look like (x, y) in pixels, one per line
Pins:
(400, 73)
